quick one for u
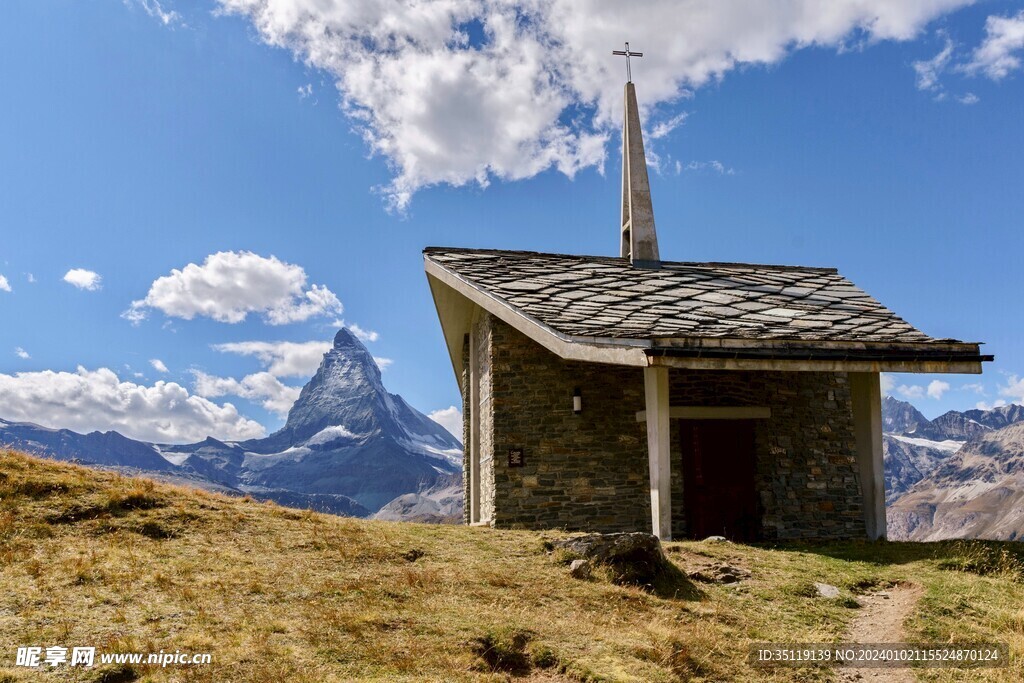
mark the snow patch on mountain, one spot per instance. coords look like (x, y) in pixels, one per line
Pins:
(946, 446)
(331, 434)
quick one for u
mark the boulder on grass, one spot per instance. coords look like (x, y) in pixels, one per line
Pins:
(579, 569)
(631, 558)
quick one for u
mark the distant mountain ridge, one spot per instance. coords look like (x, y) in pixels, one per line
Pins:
(900, 417)
(960, 475)
(348, 446)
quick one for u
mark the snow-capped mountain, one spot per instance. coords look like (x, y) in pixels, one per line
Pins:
(960, 475)
(976, 493)
(348, 445)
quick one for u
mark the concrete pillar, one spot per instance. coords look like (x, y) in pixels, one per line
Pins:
(474, 430)
(866, 395)
(656, 392)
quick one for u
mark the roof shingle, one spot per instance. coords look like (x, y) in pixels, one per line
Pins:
(597, 296)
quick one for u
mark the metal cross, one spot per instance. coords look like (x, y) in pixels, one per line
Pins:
(627, 54)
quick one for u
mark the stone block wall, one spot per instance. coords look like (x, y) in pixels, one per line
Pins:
(581, 472)
(590, 471)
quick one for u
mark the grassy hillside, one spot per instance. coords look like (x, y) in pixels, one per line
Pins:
(91, 558)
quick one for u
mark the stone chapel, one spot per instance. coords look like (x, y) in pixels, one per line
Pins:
(632, 393)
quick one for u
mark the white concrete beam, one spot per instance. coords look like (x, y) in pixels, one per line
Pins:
(656, 393)
(713, 413)
(866, 395)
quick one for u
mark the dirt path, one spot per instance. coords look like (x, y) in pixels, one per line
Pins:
(881, 621)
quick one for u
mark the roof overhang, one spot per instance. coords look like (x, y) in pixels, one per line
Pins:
(459, 301)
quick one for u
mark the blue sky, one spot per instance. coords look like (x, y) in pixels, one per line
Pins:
(141, 137)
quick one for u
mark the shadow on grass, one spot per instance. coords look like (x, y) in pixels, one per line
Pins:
(665, 580)
(673, 584)
(975, 556)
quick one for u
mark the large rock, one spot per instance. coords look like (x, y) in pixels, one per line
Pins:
(633, 558)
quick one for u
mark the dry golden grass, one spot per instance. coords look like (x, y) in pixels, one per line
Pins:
(92, 558)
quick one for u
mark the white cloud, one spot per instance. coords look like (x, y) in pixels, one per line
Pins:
(276, 397)
(155, 9)
(663, 128)
(713, 165)
(887, 383)
(31, 278)
(305, 91)
(450, 418)
(910, 391)
(541, 89)
(928, 71)
(83, 279)
(1014, 389)
(981, 405)
(997, 56)
(363, 335)
(229, 285)
(5, 286)
(158, 365)
(936, 388)
(976, 387)
(383, 363)
(969, 98)
(21, 353)
(88, 400)
(282, 359)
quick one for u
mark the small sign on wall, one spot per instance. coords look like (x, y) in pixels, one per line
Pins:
(516, 457)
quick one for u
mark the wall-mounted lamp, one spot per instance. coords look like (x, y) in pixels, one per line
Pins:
(577, 401)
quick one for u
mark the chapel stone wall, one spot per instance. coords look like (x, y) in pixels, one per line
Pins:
(590, 471)
(580, 472)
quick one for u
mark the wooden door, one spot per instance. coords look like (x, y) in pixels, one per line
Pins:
(719, 490)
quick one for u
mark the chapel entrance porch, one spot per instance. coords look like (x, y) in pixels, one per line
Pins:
(810, 427)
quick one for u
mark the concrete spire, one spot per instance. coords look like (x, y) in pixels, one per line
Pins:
(639, 238)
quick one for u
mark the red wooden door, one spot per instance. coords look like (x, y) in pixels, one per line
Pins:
(719, 490)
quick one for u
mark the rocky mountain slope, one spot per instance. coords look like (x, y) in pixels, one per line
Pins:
(97, 448)
(960, 475)
(976, 493)
(348, 446)
(442, 503)
(913, 445)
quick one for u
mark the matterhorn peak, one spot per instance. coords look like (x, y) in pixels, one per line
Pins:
(345, 339)
(346, 391)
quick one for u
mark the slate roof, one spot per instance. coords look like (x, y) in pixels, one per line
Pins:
(596, 296)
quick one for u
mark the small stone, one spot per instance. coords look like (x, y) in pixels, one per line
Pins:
(579, 569)
(826, 590)
(722, 573)
(716, 539)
